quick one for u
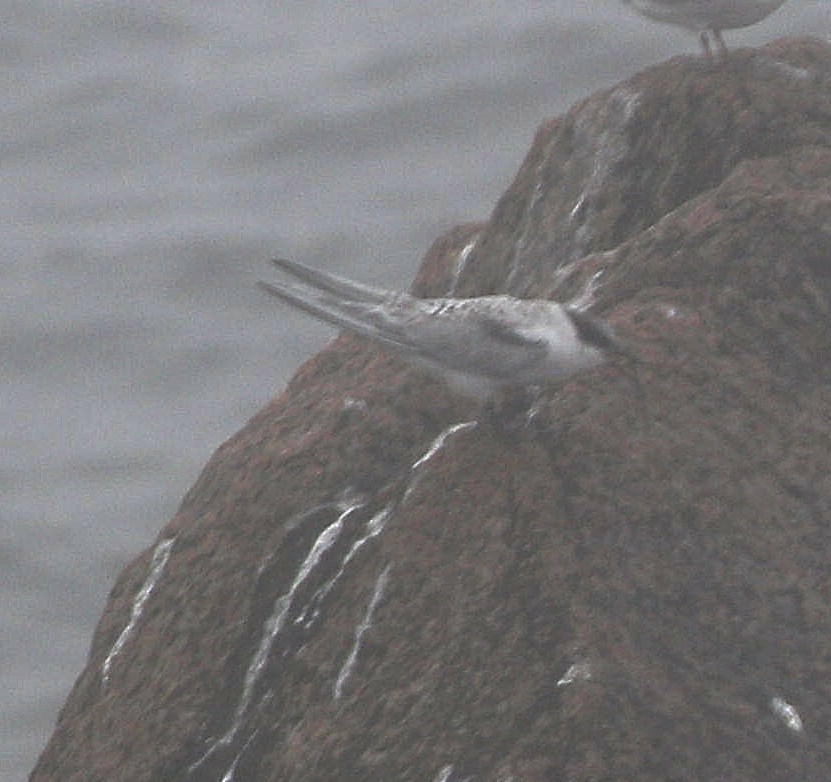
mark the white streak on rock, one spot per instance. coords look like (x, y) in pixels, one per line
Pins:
(461, 261)
(373, 528)
(444, 774)
(229, 774)
(435, 447)
(277, 619)
(366, 623)
(607, 151)
(787, 714)
(577, 672)
(586, 297)
(271, 629)
(157, 565)
(578, 207)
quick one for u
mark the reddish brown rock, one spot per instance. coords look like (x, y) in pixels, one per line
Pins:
(635, 587)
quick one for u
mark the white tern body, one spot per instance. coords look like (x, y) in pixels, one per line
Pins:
(479, 346)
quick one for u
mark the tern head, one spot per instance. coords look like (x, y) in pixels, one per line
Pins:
(598, 334)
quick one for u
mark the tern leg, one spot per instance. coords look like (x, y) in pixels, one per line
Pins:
(705, 44)
(722, 47)
(511, 414)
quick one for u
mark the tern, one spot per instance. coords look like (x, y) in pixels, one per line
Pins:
(479, 346)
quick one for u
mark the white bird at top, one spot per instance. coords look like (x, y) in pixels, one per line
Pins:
(707, 16)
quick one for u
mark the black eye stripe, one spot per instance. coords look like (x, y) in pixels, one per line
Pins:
(591, 331)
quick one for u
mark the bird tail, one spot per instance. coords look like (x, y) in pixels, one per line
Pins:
(332, 283)
(341, 302)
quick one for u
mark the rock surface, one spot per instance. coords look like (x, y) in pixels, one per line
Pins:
(635, 587)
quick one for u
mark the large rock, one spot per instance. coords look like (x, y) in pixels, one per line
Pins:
(637, 586)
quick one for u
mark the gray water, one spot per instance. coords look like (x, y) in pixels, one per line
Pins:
(153, 156)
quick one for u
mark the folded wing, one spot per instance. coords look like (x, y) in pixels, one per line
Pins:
(476, 336)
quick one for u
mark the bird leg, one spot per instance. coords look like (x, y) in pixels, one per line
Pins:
(722, 47)
(510, 414)
(705, 43)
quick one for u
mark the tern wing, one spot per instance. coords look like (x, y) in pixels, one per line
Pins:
(339, 287)
(463, 335)
(477, 343)
(507, 334)
(373, 320)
